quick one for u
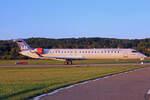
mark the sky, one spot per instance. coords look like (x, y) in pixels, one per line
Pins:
(126, 19)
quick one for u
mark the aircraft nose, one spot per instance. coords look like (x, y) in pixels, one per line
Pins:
(144, 56)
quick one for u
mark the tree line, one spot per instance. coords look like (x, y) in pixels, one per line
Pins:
(10, 50)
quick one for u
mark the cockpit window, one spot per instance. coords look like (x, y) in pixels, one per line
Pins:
(134, 51)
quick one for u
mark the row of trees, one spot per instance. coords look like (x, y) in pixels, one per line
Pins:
(9, 49)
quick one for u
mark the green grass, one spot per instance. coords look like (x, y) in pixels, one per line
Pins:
(10, 62)
(20, 83)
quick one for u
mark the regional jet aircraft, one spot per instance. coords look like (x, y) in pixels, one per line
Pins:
(68, 55)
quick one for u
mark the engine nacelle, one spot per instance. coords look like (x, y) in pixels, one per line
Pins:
(39, 50)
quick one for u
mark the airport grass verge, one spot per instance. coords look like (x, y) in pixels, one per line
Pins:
(22, 83)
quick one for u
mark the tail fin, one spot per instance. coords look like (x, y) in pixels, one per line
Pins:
(22, 45)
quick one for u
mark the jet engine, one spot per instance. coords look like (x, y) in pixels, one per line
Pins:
(39, 50)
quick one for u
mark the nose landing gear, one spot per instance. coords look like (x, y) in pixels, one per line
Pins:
(141, 59)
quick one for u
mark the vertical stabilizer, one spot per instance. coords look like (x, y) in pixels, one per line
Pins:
(22, 45)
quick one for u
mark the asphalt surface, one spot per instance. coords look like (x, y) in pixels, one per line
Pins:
(133, 85)
(98, 64)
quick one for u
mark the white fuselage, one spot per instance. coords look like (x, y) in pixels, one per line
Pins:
(88, 53)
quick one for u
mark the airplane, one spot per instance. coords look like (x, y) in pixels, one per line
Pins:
(68, 55)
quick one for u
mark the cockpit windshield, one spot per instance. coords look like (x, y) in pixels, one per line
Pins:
(134, 51)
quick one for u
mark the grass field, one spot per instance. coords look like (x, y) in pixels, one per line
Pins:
(10, 62)
(21, 83)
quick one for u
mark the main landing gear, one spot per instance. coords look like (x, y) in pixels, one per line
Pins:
(68, 62)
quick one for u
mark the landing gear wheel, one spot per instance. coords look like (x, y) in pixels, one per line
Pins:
(68, 62)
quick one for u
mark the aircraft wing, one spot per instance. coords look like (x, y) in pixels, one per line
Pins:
(65, 58)
(72, 58)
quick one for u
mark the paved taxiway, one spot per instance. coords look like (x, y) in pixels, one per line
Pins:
(59, 65)
(133, 85)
